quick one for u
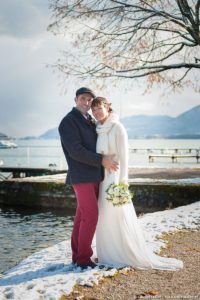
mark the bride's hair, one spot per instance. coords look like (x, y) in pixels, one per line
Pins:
(101, 100)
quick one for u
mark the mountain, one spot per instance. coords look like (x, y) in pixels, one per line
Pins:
(186, 125)
(50, 134)
(189, 122)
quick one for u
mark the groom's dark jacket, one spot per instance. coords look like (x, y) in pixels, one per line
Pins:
(78, 140)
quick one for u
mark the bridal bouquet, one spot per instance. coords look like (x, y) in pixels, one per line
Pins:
(119, 194)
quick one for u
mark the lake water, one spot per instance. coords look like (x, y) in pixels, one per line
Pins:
(23, 231)
(41, 153)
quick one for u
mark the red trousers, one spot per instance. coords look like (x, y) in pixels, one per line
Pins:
(85, 221)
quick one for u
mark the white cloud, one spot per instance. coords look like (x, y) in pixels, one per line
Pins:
(22, 18)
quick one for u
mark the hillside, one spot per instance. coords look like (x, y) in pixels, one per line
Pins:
(186, 125)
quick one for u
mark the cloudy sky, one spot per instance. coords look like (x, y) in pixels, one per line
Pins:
(33, 99)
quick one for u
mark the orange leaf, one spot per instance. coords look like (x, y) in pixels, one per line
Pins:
(153, 292)
(192, 249)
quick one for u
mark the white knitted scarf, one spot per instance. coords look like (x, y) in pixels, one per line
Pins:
(102, 131)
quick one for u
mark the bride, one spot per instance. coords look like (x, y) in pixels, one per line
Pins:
(119, 238)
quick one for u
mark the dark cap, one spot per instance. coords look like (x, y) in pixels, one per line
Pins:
(84, 90)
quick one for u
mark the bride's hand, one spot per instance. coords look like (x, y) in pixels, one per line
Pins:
(109, 163)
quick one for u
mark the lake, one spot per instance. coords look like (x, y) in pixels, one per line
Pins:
(41, 153)
(25, 231)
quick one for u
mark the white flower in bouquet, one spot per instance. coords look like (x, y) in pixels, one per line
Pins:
(119, 194)
(116, 189)
(115, 201)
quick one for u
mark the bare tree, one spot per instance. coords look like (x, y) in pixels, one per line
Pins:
(155, 39)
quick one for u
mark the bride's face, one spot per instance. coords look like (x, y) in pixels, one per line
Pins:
(100, 112)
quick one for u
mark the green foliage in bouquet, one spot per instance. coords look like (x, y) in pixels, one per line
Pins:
(119, 194)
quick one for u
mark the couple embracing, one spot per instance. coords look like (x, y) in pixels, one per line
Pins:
(97, 157)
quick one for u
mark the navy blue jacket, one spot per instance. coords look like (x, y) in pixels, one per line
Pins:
(78, 140)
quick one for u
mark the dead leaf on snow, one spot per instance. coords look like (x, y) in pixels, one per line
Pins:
(124, 272)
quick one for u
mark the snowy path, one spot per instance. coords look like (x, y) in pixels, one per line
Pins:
(47, 274)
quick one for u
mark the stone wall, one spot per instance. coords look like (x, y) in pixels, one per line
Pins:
(153, 197)
(148, 196)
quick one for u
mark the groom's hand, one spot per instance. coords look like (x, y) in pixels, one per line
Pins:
(109, 163)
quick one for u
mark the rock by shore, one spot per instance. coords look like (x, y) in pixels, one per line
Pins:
(154, 189)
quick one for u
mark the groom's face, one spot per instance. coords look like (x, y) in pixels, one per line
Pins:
(84, 102)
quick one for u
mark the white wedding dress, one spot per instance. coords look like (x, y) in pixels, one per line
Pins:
(119, 238)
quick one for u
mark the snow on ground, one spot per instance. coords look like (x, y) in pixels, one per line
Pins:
(48, 274)
(61, 178)
(44, 178)
(169, 181)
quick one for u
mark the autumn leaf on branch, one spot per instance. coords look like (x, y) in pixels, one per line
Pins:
(126, 40)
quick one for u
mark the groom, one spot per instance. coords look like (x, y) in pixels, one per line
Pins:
(85, 172)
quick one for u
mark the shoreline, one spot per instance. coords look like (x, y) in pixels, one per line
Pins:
(133, 171)
(164, 173)
(154, 189)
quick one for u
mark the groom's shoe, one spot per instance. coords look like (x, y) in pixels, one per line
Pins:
(96, 260)
(105, 267)
(89, 265)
